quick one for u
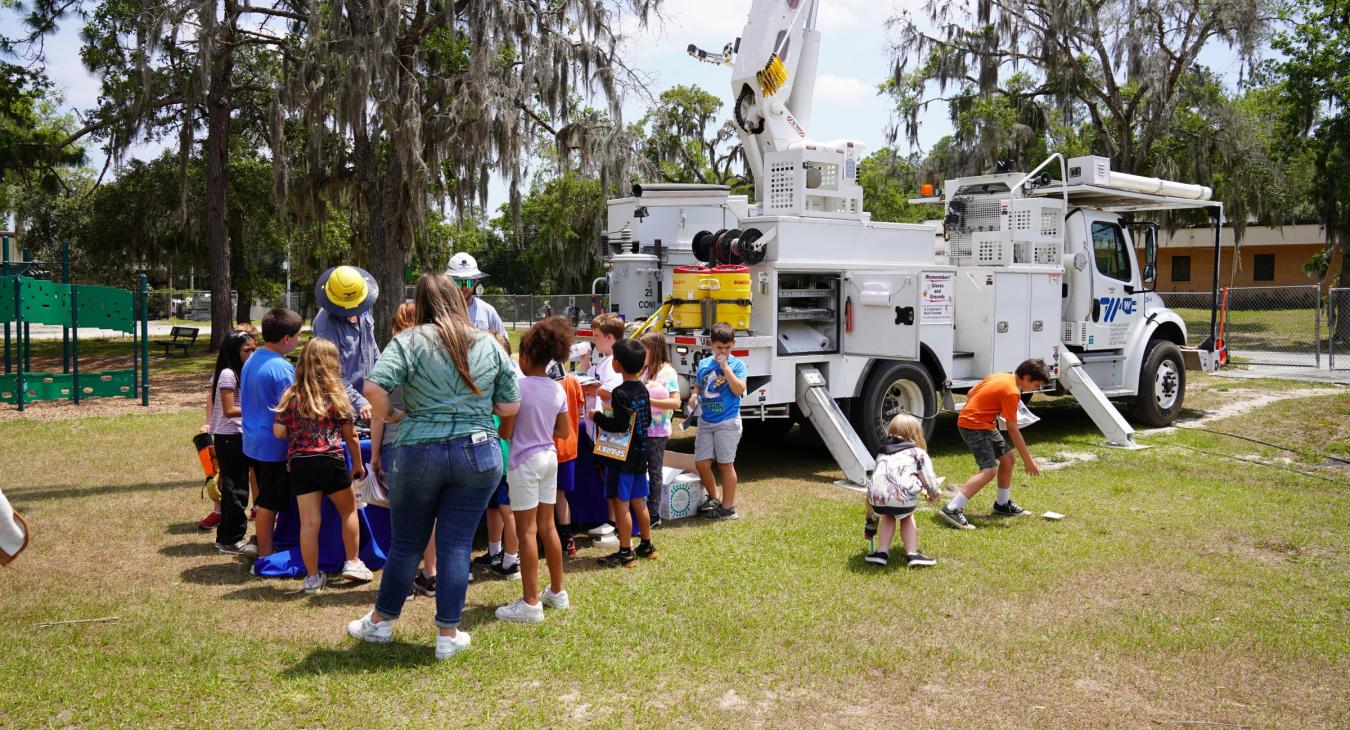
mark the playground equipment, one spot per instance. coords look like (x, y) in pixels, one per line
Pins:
(26, 300)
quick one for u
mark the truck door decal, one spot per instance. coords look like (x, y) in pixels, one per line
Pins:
(1111, 306)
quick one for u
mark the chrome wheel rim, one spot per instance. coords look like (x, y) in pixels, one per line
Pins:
(1167, 385)
(902, 395)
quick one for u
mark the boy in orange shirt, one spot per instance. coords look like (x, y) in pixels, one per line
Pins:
(997, 395)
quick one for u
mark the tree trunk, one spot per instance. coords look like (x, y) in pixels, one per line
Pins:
(217, 167)
(379, 190)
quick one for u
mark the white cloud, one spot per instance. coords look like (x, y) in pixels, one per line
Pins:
(831, 89)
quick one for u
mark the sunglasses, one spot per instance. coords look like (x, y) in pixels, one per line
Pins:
(467, 283)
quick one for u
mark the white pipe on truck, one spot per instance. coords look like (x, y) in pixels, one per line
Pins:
(1157, 186)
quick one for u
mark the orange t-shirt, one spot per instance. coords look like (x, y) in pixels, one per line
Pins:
(995, 395)
(567, 446)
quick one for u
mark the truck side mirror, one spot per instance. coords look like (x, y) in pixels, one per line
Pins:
(1150, 272)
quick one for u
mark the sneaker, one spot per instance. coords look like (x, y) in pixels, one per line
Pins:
(601, 531)
(919, 560)
(314, 584)
(209, 522)
(880, 557)
(646, 549)
(559, 601)
(1009, 509)
(570, 545)
(956, 518)
(511, 573)
(425, 585)
(448, 646)
(610, 540)
(355, 570)
(521, 612)
(243, 548)
(620, 559)
(721, 513)
(366, 630)
(709, 506)
(487, 560)
(656, 522)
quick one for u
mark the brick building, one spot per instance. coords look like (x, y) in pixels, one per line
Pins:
(1271, 256)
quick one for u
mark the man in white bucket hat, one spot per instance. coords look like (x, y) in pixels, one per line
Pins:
(464, 270)
(345, 295)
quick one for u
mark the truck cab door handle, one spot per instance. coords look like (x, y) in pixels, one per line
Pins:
(904, 315)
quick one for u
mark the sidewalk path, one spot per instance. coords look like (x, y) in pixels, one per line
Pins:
(157, 329)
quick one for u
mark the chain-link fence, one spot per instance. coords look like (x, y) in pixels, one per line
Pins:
(522, 310)
(1338, 329)
(1261, 325)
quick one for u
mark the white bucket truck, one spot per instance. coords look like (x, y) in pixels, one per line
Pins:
(851, 321)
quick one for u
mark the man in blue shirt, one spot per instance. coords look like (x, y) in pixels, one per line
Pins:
(266, 375)
(464, 270)
(345, 295)
(720, 384)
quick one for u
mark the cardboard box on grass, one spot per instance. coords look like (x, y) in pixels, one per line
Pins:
(680, 496)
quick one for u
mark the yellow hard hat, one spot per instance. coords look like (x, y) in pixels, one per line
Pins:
(346, 290)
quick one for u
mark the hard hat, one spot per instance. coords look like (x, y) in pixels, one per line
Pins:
(463, 266)
(346, 291)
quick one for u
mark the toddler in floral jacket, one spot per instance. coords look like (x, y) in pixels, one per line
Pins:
(903, 471)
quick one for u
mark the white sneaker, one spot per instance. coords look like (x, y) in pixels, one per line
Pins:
(521, 612)
(559, 601)
(366, 630)
(356, 570)
(314, 584)
(610, 540)
(601, 531)
(448, 646)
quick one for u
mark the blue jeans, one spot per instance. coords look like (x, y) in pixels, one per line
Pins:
(446, 484)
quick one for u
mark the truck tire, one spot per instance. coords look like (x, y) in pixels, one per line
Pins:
(892, 387)
(1162, 385)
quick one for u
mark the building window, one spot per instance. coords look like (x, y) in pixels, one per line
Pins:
(1181, 268)
(1263, 267)
(1113, 256)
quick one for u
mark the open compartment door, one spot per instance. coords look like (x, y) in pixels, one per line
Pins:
(881, 314)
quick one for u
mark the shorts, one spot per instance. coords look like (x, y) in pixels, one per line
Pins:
(567, 476)
(325, 473)
(626, 486)
(534, 481)
(987, 446)
(717, 441)
(892, 511)
(501, 497)
(274, 485)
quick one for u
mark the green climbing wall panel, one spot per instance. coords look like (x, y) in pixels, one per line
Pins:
(105, 307)
(45, 302)
(6, 298)
(57, 386)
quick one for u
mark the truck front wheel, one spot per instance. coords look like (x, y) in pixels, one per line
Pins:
(892, 388)
(1162, 385)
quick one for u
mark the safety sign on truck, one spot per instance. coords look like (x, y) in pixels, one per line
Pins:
(936, 298)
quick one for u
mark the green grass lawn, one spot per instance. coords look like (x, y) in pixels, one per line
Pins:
(1182, 586)
(1289, 330)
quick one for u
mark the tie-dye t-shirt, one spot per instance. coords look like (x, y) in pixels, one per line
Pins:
(665, 384)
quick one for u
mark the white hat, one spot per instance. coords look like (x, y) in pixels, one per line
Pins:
(579, 350)
(463, 266)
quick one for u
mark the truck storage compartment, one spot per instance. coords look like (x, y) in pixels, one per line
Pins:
(808, 313)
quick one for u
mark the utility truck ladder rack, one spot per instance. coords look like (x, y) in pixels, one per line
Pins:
(813, 398)
(1118, 432)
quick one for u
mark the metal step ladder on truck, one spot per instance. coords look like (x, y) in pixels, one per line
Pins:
(844, 322)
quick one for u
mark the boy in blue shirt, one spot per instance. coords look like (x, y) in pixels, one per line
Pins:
(720, 385)
(266, 374)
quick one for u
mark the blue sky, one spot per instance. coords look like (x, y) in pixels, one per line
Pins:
(854, 58)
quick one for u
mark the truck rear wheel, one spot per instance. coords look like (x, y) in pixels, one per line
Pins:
(1162, 385)
(890, 389)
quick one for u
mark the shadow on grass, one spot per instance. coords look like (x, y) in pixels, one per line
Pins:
(189, 550)
(234, 572)
(362, 657)
(40, 494)
(186, 528)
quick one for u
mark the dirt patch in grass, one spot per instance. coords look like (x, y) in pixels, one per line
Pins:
(175, 385)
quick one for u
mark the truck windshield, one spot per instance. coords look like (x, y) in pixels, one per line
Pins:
(1111, 251)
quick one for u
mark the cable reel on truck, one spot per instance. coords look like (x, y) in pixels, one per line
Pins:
(729, 246)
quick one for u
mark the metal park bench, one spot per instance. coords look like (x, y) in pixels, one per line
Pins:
(181, 338)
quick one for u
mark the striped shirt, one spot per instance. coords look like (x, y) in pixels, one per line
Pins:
(440, 405)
